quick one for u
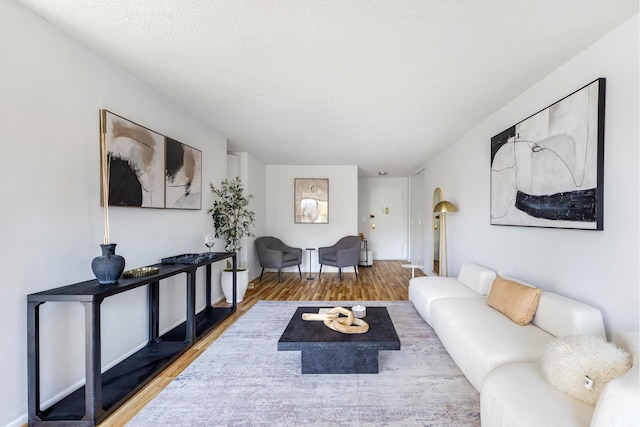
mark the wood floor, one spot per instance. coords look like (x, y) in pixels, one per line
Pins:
(383, 281)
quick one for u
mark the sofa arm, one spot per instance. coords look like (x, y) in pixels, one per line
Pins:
(324, 251)
(271, 258)
(290, 249)
(517, 395)
(618, 402)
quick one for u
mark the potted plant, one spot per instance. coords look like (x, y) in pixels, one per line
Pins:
(232, 220)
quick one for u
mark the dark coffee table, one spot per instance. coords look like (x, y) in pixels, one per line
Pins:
(325, 351)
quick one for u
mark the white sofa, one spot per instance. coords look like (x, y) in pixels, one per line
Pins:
(499, 356)
(516, 394)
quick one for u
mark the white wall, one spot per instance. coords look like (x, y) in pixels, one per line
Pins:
(597, 267)
(252, 172)
(343, 209)
(51, 220)
(419, 216)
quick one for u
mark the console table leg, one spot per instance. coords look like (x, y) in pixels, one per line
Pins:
(153, 296)
(208, 284)
(191, 307)
(33, 359)
(93, 372)
(235, 280)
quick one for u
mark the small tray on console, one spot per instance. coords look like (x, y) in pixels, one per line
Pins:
(140, 272)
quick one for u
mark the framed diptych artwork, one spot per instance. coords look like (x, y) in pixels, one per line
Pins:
(547, 170)
(146, 169)
(311, 197)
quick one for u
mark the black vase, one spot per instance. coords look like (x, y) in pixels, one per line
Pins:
(108, 267)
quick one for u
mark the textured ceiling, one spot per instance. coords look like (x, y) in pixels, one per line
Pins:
(379, 84)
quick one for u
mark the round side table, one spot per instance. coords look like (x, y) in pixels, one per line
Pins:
(413, 268)
(310, 277)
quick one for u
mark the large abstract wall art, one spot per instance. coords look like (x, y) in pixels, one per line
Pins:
(547, 170)
(183, 176)
(146, 169)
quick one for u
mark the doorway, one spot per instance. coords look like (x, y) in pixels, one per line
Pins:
(387, 229)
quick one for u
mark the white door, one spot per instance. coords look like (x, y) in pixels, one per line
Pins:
(388, 228)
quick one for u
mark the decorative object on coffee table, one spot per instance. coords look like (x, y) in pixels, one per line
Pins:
(333, 320)
(359, 311)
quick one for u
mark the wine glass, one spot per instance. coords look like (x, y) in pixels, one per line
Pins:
(209, 240)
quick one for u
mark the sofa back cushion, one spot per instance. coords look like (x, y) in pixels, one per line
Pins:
(561, 316)
(516, 301)
(476, 277)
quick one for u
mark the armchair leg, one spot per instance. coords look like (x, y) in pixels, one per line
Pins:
(261, 273)
(280, 275)
(339, 273)
(355, 270)
(320, 273)
(300, 271)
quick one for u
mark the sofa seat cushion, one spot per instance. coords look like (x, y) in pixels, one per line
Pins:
(423, 291)
(516, 394)
(479, 338)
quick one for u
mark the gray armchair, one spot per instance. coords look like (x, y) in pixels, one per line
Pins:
(344, 253)
(272, 253)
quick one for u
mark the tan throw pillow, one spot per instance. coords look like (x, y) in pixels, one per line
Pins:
(516, 301)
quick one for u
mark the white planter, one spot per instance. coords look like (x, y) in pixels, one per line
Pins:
(242, 281)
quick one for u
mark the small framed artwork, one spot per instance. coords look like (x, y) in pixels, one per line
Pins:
(311, 200)
(548, 170)
(135, 159)
(183, 180)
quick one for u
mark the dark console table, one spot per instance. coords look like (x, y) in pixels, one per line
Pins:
(104, 392)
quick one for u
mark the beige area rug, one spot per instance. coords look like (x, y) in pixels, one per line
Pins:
(242, 380)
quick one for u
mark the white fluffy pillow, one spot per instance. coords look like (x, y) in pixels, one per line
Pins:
(568, 360)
